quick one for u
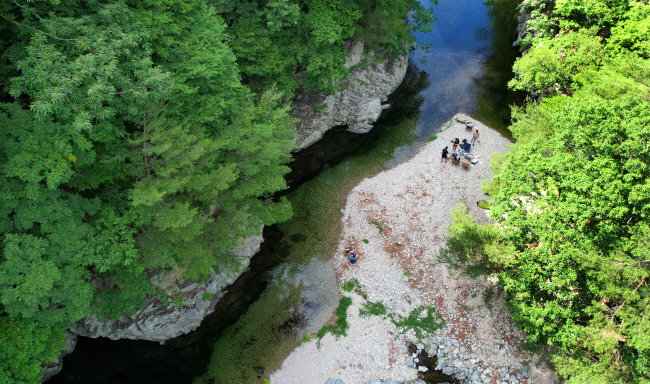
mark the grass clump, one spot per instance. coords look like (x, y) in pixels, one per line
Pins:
(341, 326)
(372, 309)
(319, 107)
(351, 285)
(366, 241)
(432, 137)
(379, 227)
(306, 337)
(422, 320)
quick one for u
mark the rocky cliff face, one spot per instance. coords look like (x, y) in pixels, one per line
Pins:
(522, 22)
(360, 102)
(187, 305)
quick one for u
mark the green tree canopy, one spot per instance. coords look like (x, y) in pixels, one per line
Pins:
(554, 62)
(575, 207)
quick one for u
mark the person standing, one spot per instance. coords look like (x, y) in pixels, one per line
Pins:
(444, 154)
(456, 142)
(474, 137)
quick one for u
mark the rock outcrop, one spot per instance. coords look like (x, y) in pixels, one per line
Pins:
(528, 10)
(187, 305)
(359, 104)
(55, 366)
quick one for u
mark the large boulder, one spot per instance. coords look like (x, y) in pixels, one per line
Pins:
(365, 114)
(359, 104)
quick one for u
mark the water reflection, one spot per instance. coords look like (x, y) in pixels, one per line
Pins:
(491, 92)
(470, 63)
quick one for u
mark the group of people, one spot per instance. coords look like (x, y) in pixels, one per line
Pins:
(466, 146)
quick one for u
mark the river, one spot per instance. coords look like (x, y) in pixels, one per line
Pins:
(291, 288)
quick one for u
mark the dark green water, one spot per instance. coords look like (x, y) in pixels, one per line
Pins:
(465, 71)
(303, 291)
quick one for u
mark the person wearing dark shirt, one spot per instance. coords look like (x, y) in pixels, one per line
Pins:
(456, 142)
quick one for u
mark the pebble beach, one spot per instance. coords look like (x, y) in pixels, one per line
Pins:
(397, 222)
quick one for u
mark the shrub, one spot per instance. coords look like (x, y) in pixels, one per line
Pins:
(422, 320)
(341, 326)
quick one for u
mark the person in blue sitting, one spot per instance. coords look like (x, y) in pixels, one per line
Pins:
(353, 257)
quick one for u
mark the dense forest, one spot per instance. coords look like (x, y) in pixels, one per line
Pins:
(143, 135)
(571, 242)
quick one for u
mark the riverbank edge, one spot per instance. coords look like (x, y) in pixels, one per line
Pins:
(397, 221)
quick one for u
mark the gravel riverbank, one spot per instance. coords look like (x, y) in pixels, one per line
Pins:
(396, 221)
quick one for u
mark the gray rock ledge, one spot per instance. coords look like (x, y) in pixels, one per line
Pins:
(159, 321)
(359, 104)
